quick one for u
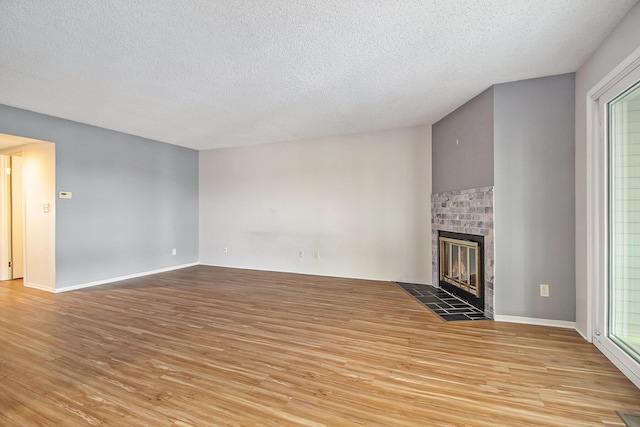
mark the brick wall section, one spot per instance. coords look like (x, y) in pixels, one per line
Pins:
(466, 211)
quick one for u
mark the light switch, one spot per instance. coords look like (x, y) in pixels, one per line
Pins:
(64, 194)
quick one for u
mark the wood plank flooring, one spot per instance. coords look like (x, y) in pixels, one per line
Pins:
(207, 346)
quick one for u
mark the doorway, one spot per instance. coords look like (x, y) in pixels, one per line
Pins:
(27, 212)
(12, 217)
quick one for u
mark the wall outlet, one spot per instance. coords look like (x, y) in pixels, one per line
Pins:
(225, 250)
(317, 255)
(301, 254)
(173, 251)
(544, 290)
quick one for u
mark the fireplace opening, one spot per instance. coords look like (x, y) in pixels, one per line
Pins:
(461, 259)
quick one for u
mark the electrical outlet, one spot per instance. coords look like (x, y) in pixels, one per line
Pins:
(317, 255)
(225, 250)
(544, 290)
(301, 254)
(173, 251)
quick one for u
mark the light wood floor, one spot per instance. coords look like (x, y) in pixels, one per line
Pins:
(212, 346)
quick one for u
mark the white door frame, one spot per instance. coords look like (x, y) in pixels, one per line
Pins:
(4, 219)
(597, 218)
(6, 205)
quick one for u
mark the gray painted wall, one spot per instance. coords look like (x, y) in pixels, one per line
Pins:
(526, 129)
(134, 199)
(534, 197)
(463, 146)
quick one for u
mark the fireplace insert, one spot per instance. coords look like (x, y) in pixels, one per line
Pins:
(461, 260)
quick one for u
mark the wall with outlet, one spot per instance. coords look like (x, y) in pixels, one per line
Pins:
(133, 199)
(518, 138)
(348, 206)
(534, 198)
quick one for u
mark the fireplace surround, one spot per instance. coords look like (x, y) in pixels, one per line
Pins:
(468, 211)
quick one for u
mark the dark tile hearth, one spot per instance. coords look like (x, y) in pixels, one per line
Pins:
(446, 305)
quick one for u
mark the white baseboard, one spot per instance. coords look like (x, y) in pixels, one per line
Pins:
(117, 279)
(584, 336)
(37, 286)
(535, 321)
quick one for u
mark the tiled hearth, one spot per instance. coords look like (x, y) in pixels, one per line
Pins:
(470, 212)
(447, 306)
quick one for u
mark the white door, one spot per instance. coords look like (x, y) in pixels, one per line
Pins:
(617, 329)
(17, 249)
(5, 217)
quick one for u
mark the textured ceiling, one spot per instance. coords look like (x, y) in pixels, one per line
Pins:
(207, 74)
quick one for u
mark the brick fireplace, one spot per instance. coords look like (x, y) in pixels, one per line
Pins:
(469, 212)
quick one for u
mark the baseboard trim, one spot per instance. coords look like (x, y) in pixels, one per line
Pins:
(584, 336)
(117, 279)
(38, 287)
(535, 321)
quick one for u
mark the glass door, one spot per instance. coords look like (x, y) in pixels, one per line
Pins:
(615, 216)
(623, 293)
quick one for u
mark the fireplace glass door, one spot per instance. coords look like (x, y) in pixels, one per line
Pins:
(459, 260)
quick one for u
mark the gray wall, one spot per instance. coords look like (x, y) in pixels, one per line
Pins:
(534, 197)
(134, 199)
(463, 146)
